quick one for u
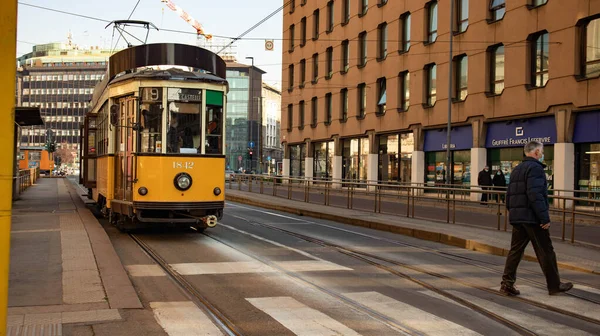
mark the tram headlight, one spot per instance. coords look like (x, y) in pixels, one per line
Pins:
(217, 191)
(183, 181)
(143, 191)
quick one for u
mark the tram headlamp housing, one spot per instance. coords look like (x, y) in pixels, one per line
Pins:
(217, 191)
(143, 191)
(183, 181)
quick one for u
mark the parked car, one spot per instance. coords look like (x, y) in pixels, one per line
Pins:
(229, 175)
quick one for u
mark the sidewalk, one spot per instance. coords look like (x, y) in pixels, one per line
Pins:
(571, 256)
(63, 267)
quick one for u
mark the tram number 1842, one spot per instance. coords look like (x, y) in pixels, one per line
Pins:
(183, 165)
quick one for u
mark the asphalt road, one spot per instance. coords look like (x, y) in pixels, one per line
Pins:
(270, 273)
(430, 209)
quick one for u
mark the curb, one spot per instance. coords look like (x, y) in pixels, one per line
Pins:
(405, 231)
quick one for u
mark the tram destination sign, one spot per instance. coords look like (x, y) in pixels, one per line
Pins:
(184, 95)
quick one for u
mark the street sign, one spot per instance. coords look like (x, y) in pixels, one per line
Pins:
(240, 158)
(251, 144)
(268, 158)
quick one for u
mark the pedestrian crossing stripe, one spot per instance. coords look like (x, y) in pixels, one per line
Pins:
(183, 319)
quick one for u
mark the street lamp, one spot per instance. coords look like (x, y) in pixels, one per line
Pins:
(449, 127)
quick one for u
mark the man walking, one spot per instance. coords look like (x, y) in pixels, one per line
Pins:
(527, 203)
(485, 182)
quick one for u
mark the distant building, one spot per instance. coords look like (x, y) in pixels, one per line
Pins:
(60, 79)
(243, 117)
(272, 151)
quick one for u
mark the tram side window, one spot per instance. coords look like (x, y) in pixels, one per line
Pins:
(184, 134)
(214, 130)
(151, 137)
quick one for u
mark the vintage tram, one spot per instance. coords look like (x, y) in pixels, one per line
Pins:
(153, 140)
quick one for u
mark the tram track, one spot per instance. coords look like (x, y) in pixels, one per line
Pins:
(380, 262)
(462, 259)
(214, 314)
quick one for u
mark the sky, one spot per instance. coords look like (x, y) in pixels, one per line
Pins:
(227, 18)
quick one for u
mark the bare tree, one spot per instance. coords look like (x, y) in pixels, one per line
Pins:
(65, 154)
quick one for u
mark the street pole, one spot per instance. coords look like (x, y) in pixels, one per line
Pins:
(251, 101)
(8, 50)
(449, 128)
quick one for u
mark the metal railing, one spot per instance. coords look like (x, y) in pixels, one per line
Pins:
(26, 178)
(385, 197)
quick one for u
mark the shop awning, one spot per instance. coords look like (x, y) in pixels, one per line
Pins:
(28, 116)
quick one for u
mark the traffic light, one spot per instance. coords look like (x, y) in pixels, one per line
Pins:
(250, 153)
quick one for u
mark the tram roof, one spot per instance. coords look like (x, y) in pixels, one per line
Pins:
(171, 74)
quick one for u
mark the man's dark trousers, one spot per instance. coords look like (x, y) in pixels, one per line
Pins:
(540, 238)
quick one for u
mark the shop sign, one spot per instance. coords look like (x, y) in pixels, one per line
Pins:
(587, 127)
(518, 133)
(460, 138)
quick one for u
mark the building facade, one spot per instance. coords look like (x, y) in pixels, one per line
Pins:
(272, 151)
(59, 78)
(367, 86)
(243, 124)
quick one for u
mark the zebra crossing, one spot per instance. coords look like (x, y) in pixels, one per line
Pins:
(185, 318)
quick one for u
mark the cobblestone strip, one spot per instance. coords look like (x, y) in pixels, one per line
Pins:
(81, 279)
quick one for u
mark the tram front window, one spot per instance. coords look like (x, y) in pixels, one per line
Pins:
(184, 133)
(151, 136)
(214, 130)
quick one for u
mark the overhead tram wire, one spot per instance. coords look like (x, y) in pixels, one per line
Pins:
(255, 26)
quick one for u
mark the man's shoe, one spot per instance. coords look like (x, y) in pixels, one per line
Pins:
(509, 290)
(563, 287)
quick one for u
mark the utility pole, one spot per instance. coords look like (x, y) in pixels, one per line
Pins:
(8, 50)
(251, 103)
(449, 128)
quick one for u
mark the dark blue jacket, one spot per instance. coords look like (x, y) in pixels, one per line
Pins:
(527, 195)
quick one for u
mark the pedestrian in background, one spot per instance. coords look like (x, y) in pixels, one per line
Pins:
(500, 183)
(485, 182)
(527, 203)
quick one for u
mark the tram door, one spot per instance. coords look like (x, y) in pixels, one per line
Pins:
(124, 158)
(88, 168)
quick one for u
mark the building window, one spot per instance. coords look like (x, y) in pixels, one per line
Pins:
(362, 100)
(316, 24)
(345, 56)
(462, 16)
(364, 6)
(430, 84)
(496, 56)
(345, 11)
(301, 108)
(461, 71)
(330, 16)
(537, 3)
(328, 108)
(292, 6)
(314, 112)
(292, 27)
(302, 2)
(381, 96)
(382, 36)
(382, 2)
(404, 32)
(290, 116)
(329, 62)
(291, 77)
(315, 68)
(404, 90)
(539, 44)
(302, 72)
(303, 32)
(497, 9)
(590, 51)
(432, 21)
(362, 49)
(344, 105)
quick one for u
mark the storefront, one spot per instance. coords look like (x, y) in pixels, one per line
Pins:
(355, 153)
(435, 155)
(395, 157)
(505, 141)
(323, 160)
(586, 137)
(297, 160)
